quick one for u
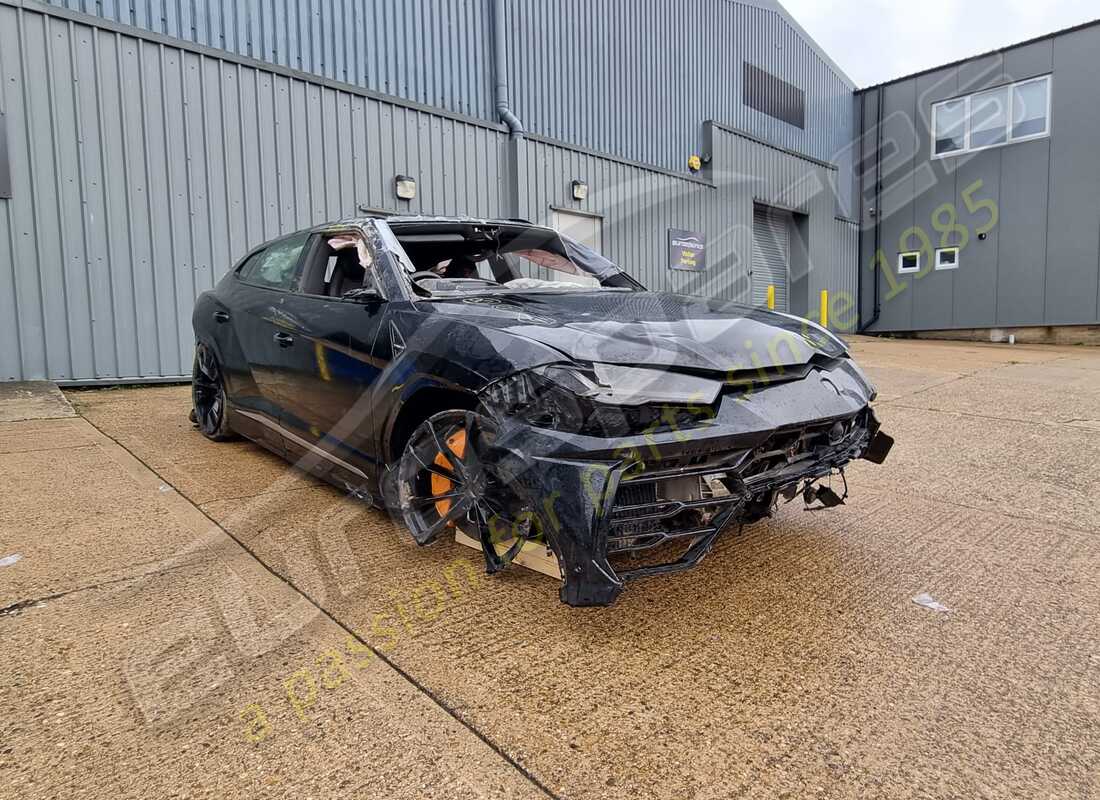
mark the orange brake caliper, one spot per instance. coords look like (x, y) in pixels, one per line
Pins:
(441, 485)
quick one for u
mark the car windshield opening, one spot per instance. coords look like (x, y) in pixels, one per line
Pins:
(469, 258)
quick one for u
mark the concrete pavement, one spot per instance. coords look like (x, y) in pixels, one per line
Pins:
(205, 595)
(147, 654)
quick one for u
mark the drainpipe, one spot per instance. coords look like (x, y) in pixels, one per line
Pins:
(861, 193)
(500, 62)
(878, 212)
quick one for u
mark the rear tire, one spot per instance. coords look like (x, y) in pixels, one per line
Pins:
(209, 400)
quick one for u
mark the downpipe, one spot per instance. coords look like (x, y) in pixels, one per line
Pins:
(500, 68)
(877, 309)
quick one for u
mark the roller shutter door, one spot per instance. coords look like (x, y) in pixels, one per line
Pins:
(771, 252)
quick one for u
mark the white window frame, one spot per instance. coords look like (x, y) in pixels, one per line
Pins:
(1008, 117)
(1012, 103)
(940, 265)
(901, 256)
(1010, 114)
(966, 127)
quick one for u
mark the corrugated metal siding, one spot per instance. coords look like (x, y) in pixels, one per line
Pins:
(839, 275)
(633, 78)
(636, 78)
(436, 52)
(640, 205)
(141, 172)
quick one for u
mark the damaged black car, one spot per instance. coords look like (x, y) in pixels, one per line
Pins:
(498, 380)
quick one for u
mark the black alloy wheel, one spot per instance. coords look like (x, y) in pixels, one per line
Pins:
(445, 481)
(208, 396)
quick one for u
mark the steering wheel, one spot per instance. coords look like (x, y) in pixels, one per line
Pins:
(425, 273)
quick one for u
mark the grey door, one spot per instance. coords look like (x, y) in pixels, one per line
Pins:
(771, 255)
(584, 228)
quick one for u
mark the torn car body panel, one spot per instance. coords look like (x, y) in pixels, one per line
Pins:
(495, 377)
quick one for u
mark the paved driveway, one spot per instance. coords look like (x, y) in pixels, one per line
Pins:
(206, 607)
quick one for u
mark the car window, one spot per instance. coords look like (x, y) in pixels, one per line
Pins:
(276, 266)
(337, 264)
(250, 263)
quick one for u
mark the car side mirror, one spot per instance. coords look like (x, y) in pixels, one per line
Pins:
(364, 294)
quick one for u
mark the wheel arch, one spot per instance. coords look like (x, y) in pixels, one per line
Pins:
(418, 407)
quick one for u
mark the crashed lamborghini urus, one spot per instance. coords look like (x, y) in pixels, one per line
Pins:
(497, 379)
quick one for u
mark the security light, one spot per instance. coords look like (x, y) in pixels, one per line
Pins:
(405, 187)
(580, 190)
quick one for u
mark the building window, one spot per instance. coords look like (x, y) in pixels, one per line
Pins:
(1031, 108)
(909, 262)
(949, 123)
(772, 96)
(947, 258)
(991, 118)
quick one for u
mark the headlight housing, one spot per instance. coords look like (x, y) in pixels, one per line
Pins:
(818, 336)
(872, 390)
(604, 399)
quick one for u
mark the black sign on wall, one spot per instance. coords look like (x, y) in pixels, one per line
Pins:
(687, 250)
(5, 167)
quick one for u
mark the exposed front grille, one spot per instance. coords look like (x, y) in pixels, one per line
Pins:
(690, 498)
(631, 494)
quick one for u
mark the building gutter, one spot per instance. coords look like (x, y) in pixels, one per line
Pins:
(500, 67)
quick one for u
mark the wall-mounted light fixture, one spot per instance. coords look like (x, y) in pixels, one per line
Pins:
(695, 163)
(580, 190)
(405, 187)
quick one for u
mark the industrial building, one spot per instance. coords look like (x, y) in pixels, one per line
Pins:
(981, 212)
(145, 146)
(149, 145)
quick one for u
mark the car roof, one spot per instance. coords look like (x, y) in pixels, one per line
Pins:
(429, 219)
(400, 219)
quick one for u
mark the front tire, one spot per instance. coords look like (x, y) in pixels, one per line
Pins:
(208, 396)
(446, 479)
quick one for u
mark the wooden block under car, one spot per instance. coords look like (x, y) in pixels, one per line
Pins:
(533, 556)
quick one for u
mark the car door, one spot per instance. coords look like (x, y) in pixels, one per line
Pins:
(326, 416)
(258, 316)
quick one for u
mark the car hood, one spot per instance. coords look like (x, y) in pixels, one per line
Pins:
(649, 328)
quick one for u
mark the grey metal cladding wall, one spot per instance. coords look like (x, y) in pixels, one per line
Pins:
(634, 78)
(639, 205)
(1072, 289)
(1040, 264)
(436, 52)
(637, 77)
(141, 171)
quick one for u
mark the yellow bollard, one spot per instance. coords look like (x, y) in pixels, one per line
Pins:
(824, 308)
(771, 297)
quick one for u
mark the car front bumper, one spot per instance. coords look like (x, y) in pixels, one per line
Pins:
(602, 502)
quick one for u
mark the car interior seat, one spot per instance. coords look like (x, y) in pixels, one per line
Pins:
(347, 275)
